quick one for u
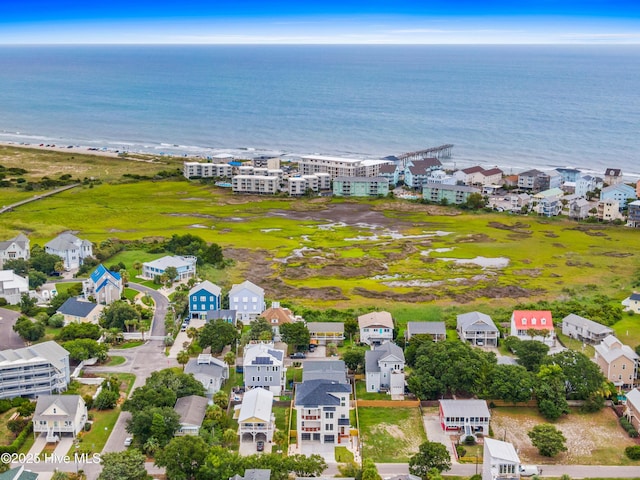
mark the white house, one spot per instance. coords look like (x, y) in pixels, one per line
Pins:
(70, 248)
(14, 249)
(436, 330)
(103, 285)
(632, 302)
(375, 327)
(583, 329)
(468, 417)
(209, 371)
(12, 286)
(256, 421)
(57, 415)
(247, 299)
(185, 266)
(384, 367)
(500, 461)
(192, 410)
(263, 367)
(525, 322)
(478, 329)
(76, 310)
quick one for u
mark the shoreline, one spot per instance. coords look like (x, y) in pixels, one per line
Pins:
(199, 153)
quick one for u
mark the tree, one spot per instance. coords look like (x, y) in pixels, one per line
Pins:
(430, 455)
(351, 327)
(56, 320)
(29, 331)
(137, 266)
(43, 262)
(369, 471)
(183, 457)
(36, 279)
(162, 389)
(183, 358)
(106, 399)
(475, 201)
(531, 353)
(157, 422)
(583, 378)
(18, 265)
(259, 326)
(303, 466)
(511, 383)
(296, 334)
(171, 273)
(550, 392)
(85, 348)
(74, 331)
(353, 358)
(117, 314)
(230, 358)
(547, 439)
(28, 305)
(217, 335)
(125, 465)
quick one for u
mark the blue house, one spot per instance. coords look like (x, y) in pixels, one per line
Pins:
(202, 298)
(620, 192)
(103, 285)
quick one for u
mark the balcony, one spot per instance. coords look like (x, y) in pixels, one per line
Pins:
(310, 417)
(310, 429)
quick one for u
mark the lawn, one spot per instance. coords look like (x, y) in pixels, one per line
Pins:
(115, 360)
(6, 437)
(390, 435)
(362, 394)
(131, 344)
(592, 439)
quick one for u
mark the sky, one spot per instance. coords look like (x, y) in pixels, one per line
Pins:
(320, 22)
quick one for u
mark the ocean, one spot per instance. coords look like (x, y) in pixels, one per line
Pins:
(511, 106)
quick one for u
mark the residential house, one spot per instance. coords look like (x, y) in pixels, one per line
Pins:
(469, 176)
(469, 417)
(228, 316)
(71, 249)
(209, 371)
(478, 329)
(533, 181)
(384, 367)
(609, 210)
(548, 202)
(332, 370)
(632, 410)
(633, 214)
(518, 202)
(247, 299)
(375, 327)
(57, 415)
(263, 367)
(18, 473)
(491, 176)
(632, 303)
(185, 267)
(322, 412)
(569, 174)
(256, 420)
(555, 179)
(76, 310)
(638, 189)
(500, 461)
(440, 176)
(360, 186)
(450, 194)
(103, 285)
(525, 322)
(322, 333)
(435, 330)
(39, 369)
(579, 209)
(192, 410)
(617, 361)
(204, 297)
(620, 192)
(416, 172)
(613, 176)
(277, 316)
(583, 329)
(390, 171)
(586, 184)
(13, 286)
(254, 474)
(14, 249)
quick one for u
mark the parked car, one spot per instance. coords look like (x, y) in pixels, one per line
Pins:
(529, 470)
(260, 446)
(127, 441)
(298, 355)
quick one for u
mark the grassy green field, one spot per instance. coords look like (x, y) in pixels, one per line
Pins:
(390, 435)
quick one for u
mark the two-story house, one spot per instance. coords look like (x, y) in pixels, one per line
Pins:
(534, 181)
(209, 371)
(192, 410)
(57, 415)
(384, 367)
(185, 267)
(436, 330)
(500, 461)
(478, 329)
(613, 176)
(632, 302)
(204, 297)
(583, 329)
(321, 333)
(533, 325)
(617, 361)
(70, 248)
(103, 285)
(277, 316)
(322, 412)
(468, 417)
(263, 366)
(14, 249)
(255, 417)
(13, 286)
(547, 202)
(247, 299)
(375, 327)
(632, 410)
(633, 214)
(621, 192)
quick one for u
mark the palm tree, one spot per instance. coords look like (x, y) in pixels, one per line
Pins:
(230, 358)
(59, 267)
(192, 333)
(183, 358)
(137, 266)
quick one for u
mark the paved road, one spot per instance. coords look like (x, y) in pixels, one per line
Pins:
(9, 338)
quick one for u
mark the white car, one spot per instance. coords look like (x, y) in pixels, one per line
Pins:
(127, 441)
(529, 470)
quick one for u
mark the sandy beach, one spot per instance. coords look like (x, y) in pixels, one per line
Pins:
(64, 148)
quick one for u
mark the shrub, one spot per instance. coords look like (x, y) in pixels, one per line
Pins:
(469, 440)
(633, 452)
(106, 399)
(461, 451)
(629, 428)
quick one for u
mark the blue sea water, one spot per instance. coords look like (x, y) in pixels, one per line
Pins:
(512, 106)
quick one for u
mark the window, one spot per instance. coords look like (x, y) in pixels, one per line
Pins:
(624, 366)
(543, 321)
(194, 298)
(524, 321)
(235, 299)
(328, 415)
(203, 298)
(254, 299)
(245, 299)
(328, 426)
(533, 321)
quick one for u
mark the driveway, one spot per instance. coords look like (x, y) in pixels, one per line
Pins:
(8, 338)
(436, 434)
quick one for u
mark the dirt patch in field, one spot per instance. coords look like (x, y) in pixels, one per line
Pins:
(506, 291)
(414, 296)
(475, 238)
(616, 254)
(516, 227)
(530, 272)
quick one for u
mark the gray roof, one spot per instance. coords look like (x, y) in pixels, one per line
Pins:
(464, 408)
(18, 473)
(481, 322)
(633, 397)
(169, 261)
(205, 370)
(249, 286)
(634, 296)
(50, 351)
(426, 328)
(593, 327)
(66, 241)
(315, 393)
(322, 327)
(332, 370)
(455, 188)
(361, 179)
(262, 354)
(372, 357)
(77, 308)
(20, 240)
(191, 409)
(66, 403)
(254, 474)
(221, 314)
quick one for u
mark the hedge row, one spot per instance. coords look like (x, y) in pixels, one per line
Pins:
(630, 429)
(18, 442)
